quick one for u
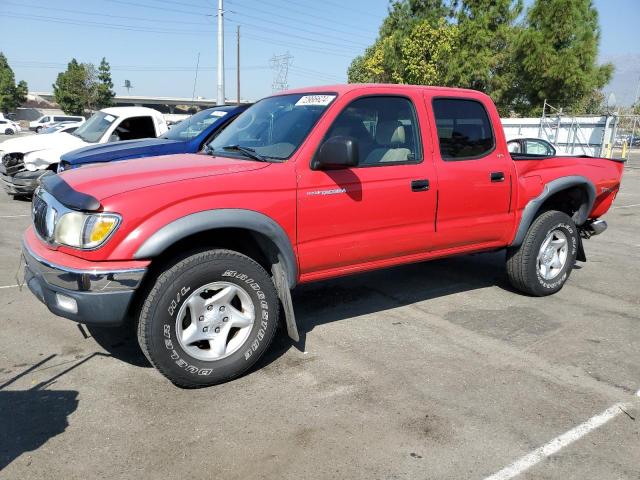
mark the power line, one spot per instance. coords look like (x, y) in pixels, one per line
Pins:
(317, 50)
(344, 7)
(190, 5)
(112, 26)
(134, 68)
(99, 14)
(287, 34)
(142, 5)
(304, 30)
(324, 28)
(305, 15)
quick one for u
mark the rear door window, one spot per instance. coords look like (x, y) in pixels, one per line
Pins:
(464, 129)
(136, 127)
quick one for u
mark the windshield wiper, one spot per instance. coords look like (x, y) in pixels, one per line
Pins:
(246, 151)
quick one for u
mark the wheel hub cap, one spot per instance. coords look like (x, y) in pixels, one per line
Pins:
(215, 321)
(553, 254)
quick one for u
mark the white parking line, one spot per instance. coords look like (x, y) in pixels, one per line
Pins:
(628, 206)
(558, 443)
(14, 216)
(10, 286)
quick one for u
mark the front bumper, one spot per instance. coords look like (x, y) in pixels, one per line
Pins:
(94, 297)
(21, 183)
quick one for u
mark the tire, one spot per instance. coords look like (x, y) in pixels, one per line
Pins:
(208, 318)
(540, 272)
(38, 129)
(8, 131)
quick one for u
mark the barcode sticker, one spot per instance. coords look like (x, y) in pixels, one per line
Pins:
(320, 100)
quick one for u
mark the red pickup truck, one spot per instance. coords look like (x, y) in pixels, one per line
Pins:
(202, 250)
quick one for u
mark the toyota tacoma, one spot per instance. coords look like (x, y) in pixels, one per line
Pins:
(202, 250)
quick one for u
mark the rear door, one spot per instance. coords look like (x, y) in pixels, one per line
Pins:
(381, 209)
(474, 174)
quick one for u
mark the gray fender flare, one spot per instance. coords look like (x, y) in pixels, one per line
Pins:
(551, 188)
(223, 218)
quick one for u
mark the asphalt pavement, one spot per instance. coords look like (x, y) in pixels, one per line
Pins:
(429, 371)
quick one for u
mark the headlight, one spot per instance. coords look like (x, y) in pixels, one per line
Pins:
(84, 230)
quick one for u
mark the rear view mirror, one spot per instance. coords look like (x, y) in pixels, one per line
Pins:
(335, 153)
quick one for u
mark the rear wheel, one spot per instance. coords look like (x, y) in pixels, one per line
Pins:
(208, 318)
(543, 263)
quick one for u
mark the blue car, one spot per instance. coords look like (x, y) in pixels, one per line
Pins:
(188, 136)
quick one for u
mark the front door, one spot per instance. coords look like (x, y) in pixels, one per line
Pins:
(384, 207)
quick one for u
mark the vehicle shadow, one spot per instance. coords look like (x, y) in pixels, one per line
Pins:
(347, 297)
(29, 418)
(121, 343)
(377, 291)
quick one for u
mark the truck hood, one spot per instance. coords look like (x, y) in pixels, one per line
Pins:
(40, 151)
(121, 150)
(105, 180)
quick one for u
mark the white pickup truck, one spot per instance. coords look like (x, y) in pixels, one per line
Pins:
(26, 159)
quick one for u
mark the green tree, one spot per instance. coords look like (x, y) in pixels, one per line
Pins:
(426, 52)
(483, 55)
(11, 95)
(383, 61)
(556, 55)
(75, 88)
(104, 88)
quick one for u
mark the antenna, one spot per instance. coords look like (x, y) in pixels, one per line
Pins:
(128, 85)
(280, 65)
(195, 82)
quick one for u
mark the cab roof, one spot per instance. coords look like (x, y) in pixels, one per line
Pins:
(343, 88)
(131, 111)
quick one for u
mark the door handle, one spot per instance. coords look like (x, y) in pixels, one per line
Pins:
(497, 176)
(420, 185)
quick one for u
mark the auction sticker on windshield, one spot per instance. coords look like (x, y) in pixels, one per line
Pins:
(218, 114)
(109, 118)
(321, 100)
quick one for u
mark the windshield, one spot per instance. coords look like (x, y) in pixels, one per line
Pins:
(194, 125)
(93, 129)
(274, 127)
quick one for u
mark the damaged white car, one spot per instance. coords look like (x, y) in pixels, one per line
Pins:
(26, 159)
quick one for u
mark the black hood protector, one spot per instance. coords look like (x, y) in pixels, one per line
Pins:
(66, 195)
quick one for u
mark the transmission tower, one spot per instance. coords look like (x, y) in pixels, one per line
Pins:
(280, 65)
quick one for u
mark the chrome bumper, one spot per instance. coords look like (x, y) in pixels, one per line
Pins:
(87, 296)
(82, 280)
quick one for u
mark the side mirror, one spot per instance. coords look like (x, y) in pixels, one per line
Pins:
(335, 153)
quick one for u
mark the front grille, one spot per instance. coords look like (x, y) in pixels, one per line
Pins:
(12, 163)
(40, 217)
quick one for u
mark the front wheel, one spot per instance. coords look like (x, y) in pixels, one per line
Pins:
(8, 131)
(208, 318)
(543, 263)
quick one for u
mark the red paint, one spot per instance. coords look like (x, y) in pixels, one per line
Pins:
(377, 221)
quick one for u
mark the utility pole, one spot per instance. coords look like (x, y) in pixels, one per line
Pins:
(238, 62)
(220, 97)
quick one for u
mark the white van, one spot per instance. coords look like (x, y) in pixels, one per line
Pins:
(48, 120)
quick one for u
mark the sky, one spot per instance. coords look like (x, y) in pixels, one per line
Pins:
(155, 44)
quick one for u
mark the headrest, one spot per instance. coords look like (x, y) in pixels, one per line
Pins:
(388, 133)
